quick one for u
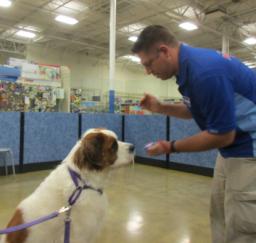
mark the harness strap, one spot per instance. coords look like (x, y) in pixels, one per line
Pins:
(76, 178)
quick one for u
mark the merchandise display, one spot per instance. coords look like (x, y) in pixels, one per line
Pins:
(20, 97)
(11, 96)
(41, 74)
(27, 86)
(86, 100)
(128, 106)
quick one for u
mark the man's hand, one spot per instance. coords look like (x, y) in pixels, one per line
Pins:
(151, 103)
(158, 148)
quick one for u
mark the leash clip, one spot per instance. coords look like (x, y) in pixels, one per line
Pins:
(65, 209)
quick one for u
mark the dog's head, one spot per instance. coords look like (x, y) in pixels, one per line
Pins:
(100, 149)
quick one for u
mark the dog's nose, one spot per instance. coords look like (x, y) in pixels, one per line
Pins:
(131, 148)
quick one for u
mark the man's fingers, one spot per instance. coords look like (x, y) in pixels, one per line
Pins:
(153, 150)
(143, 101)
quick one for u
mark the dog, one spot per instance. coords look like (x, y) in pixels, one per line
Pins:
(93, 156)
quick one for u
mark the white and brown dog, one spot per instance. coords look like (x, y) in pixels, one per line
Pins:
(91, 157)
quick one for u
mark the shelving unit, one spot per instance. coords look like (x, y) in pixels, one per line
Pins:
(86, 100)
(128, 103)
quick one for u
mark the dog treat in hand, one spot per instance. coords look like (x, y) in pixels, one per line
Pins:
(147, 146)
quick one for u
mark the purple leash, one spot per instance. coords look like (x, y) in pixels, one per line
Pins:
(67, 227)
(34, 222)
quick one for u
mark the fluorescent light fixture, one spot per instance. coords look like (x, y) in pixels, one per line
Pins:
(5, 3)
(133, 38)
(133, 58)
(188, 26)
(250, 64)
(66, 20)
(250, 41)
(26, 34)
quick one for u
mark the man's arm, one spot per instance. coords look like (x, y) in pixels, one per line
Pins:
(151, 103)
(199, 142)
(204, 141)
(178, 110)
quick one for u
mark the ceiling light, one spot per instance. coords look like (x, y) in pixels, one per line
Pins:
(133, 58)
(250, 41)
(26, 34)
(133, 38)
(5, 3)
(66, 20)
(188, 26)
(250, 64)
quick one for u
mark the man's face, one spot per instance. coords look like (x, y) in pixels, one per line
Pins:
(158, 61)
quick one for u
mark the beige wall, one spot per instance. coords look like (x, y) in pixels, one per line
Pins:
(88, 72)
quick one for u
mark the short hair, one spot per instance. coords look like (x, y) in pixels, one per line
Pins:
(152, 35)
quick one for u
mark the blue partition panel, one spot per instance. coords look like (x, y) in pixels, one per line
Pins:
(141, 130)
(179, 129)
(105, 120)
(49, 136)
(10, 133)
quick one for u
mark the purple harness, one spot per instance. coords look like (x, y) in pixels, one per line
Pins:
(76, 178)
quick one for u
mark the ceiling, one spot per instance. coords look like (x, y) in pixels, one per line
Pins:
(234, 18)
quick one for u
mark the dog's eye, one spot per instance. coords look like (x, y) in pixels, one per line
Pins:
(114, 146)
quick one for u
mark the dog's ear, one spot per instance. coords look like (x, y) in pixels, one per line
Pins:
(90, 153)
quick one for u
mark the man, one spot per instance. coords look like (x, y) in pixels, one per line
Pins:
(219, 92)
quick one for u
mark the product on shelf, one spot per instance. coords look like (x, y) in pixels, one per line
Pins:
(19, 97)
(86, 100)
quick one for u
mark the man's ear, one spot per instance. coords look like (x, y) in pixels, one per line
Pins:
(164, 49)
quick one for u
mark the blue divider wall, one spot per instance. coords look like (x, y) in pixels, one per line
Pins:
(49, 136)
(105, 120)
(10, 133)
(141, 130)
(180, 128)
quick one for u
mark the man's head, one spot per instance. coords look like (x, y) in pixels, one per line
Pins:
(158, 51)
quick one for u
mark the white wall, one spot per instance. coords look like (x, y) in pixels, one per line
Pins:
(88, 72)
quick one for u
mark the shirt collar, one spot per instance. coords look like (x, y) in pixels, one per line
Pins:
(183, 56)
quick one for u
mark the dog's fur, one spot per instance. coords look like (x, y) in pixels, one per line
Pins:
(91, 157)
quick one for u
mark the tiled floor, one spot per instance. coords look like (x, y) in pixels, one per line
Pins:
(147, 204)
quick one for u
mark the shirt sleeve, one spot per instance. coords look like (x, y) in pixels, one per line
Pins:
(215, 97)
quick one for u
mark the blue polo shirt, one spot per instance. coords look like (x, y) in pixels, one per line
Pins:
(220, 92)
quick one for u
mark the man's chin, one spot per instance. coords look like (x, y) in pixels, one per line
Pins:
(164, 78)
